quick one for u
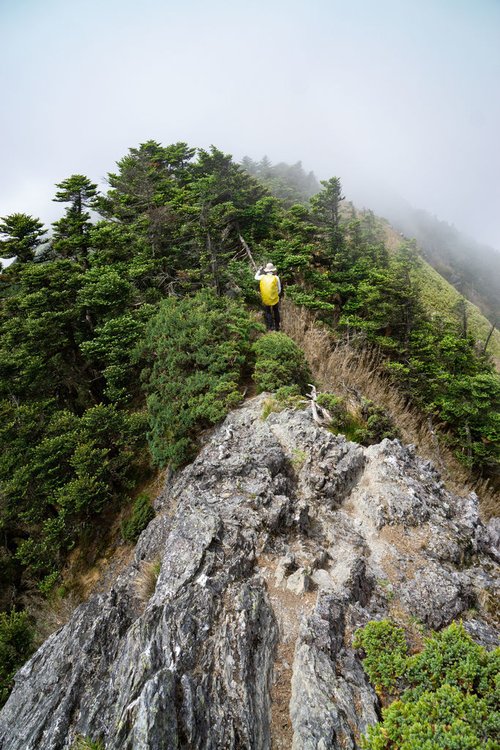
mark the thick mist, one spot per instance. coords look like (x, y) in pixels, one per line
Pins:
(398, 98)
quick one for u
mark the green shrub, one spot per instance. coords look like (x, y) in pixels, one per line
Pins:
(288, 395)
(371, 426)
(343, 421)
(16, 645)
(445, 719)
(452, 657)
(142, 514)
(385, 647)
(448, 691)
(199, 352)
(279, 362)
(335, 405)
(379, 424)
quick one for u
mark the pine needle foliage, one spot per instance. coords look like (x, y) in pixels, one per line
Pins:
(142, 514)
(279, 363)
(447, 694)
(198, 350)
(17, 637)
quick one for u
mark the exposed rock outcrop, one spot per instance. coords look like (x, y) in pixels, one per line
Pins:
(275, 544)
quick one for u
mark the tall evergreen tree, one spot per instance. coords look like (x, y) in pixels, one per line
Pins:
(22, 236)
(326, 207)
(71, 233)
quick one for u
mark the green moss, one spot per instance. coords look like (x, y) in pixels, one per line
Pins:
(299, 458)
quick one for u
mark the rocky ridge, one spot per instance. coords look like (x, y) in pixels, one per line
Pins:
(274, 545)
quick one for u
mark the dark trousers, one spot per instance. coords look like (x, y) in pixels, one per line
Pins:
(272, 316)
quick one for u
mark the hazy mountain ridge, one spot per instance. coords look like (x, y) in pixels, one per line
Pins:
(441, 297)
(472, 267)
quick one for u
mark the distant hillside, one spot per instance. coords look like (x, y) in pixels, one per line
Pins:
(441, 297)
(472, 267)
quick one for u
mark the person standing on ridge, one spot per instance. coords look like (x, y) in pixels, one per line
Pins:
(270, 290)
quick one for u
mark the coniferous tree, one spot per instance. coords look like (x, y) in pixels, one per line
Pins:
(22, 236)
(326, 207)
(71, 233)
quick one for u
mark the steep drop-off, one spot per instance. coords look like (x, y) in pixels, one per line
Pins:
(275, 544)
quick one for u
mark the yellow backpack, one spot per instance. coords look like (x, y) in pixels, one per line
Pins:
(269, 289)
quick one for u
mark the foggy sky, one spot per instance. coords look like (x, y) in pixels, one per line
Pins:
(392, 96)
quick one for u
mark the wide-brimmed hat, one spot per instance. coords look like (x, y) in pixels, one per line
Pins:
(270, 268)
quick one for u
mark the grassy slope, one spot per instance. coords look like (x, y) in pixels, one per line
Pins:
(440, 298)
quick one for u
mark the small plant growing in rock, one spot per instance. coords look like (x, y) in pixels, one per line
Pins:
(145, 583)
(387, 588)
(299, 458)
(84, 743)
(142, 514)
(270, 405)
(286, 397)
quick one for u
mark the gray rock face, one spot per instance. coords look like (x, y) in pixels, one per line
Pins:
(275, 545)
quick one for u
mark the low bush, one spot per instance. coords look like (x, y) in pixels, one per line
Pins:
(198, 351)
(16, 645)
(279, 363)
(287, 397)
(444, 719)
(379, 424)
(142, 514)
(385, 650)
(448, 692)
(335, 405)
(371, 424)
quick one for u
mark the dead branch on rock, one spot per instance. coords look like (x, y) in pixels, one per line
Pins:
(320, 415)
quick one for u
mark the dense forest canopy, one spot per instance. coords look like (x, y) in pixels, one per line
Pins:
(135, 327)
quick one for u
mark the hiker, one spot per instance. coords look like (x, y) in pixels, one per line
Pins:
(270, 291)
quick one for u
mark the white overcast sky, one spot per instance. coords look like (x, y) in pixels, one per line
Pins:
(390, 95)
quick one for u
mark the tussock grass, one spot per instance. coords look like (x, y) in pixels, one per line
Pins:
(349, 372)
(49, 614)
(145, 582)
(84, 743)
